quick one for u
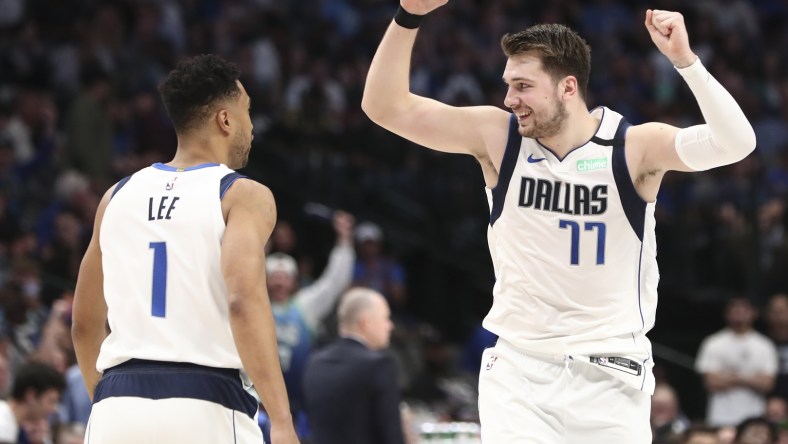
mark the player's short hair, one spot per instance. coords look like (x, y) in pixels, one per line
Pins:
(36, 376)
(353, 304)
(191, 90)
(562, 51)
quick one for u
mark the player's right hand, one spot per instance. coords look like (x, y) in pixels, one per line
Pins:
(421, 7)
(284, 434)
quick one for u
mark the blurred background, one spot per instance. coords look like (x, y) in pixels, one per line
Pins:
(79, 110)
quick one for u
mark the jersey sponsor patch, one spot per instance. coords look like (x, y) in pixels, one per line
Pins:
(623, 364)
(592, 164)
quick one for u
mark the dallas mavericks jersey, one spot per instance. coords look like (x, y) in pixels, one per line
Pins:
(161, 252)
(573, 248)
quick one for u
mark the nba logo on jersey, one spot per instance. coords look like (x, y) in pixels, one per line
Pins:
(171, 185)
(491, 362)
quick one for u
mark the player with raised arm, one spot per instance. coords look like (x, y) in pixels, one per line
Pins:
(572, 195)
(175, 269)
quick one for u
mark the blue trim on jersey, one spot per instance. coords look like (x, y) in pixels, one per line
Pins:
(640, 277)
(161, 380)
(507, 168)
(161, 166)
(119, 186)
(227, 181)
(561, 159)
(235, 437)
(634, 206)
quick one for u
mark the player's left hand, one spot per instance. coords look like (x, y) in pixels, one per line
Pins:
(669, 33)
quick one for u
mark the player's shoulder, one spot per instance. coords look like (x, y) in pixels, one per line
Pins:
(252, 199)
(245, 188)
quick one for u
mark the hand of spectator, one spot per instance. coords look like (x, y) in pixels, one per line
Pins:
(421, 7)
(343, 226)
(669, 33)
(726, 381)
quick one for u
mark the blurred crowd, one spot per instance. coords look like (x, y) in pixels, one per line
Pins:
(79, 110)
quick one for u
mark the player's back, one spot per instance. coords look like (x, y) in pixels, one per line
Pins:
(161, 254)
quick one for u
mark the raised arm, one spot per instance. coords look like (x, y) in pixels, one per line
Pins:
(251, 214)
(317, 300)
(725, 138)
(89, 317)
(389, 102)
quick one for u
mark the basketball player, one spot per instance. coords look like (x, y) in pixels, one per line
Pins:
(175, 269)
(572, 196)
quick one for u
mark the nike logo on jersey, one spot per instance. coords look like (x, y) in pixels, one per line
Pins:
(532, 160)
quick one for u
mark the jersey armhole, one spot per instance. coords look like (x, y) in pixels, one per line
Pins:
(512, 150)
(119, 185)
(227, 181)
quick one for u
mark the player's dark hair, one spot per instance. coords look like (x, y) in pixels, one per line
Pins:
(36, 376)
(195, 86)
(563, 51)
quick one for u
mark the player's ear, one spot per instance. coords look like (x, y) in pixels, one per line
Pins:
(223, 121)
(569, 86)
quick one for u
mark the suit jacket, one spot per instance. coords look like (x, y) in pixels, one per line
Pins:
(352, 395)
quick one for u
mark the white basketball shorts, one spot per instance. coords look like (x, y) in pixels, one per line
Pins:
(155, 402)
(528, 398)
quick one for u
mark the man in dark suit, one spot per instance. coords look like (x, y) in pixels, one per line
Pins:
(350, 386)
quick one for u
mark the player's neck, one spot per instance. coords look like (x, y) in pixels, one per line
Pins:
(197, 149)
(577, 130)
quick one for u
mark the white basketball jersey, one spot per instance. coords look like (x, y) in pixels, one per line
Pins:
(573, 248)
(160, 242)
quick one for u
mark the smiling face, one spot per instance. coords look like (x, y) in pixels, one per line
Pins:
(534, 97)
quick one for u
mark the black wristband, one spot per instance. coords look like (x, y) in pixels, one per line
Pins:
(406, 19)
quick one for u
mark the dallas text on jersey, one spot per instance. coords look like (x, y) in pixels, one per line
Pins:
(562, 197)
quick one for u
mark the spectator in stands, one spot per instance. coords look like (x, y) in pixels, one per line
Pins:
(701, 434)
(777, 330)
(738, 365)
(376, 270)
(5, 370)
(666, 416)
(88, 127)
(756, 431)
(34, 397)
(299, 311)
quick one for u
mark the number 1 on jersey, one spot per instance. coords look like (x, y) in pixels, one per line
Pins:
(159, 287)
(574, 229)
